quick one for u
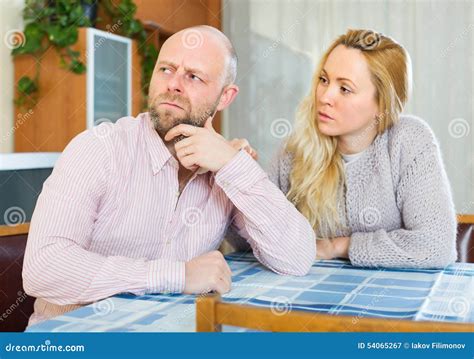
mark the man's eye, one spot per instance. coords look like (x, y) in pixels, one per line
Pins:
(165, 70)
(195, 78)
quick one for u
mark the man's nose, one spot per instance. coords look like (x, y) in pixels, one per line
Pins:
(175, 83)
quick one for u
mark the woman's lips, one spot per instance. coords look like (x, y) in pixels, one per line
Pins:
(324, 117)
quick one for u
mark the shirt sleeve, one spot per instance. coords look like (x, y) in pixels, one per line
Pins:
(428, 238)
(280, 237)
(58, 265)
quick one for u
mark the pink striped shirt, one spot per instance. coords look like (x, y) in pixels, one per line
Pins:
(110, 220)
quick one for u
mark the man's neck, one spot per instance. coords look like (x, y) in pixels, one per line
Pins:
(171, 149)
(184, 176)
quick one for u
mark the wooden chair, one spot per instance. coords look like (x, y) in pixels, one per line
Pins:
(465, 238)
(15, 306)
(212, 313)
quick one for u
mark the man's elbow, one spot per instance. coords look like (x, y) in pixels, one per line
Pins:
(306, 261)
(299, 269)
(33, 280)
(302, 260)
(38, 283)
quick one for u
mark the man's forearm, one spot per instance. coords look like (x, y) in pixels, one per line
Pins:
(280, 236)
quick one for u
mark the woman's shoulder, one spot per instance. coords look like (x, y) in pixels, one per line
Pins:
(412, 135)
(411, 127)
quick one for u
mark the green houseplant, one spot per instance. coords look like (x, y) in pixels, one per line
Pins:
(56, 22)
(124, 14)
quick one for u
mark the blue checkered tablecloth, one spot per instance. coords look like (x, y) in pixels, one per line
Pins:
(333, 287)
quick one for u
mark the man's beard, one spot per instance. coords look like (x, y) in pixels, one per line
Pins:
(165, 120)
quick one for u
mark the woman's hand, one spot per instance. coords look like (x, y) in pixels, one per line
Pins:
(242, 143)
(333, 248)
(324, 249)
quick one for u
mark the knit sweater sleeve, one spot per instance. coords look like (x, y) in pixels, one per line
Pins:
(428, 236)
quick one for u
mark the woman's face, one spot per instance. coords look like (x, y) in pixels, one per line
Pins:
(345, 96)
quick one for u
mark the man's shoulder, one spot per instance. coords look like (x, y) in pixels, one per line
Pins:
(124, 128)
(106, 139)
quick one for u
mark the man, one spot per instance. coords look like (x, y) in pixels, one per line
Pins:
(141, 206)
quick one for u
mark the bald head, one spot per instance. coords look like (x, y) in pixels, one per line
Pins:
(193, 37)
(193, 78)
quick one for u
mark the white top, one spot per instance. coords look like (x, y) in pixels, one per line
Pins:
(352, 157)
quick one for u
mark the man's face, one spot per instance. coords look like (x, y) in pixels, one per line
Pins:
(187, 82)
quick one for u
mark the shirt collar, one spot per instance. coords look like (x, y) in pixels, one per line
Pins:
(159, 153)
(157, 150)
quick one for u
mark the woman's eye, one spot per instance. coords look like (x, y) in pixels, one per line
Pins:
(323, 80)
(345, 90)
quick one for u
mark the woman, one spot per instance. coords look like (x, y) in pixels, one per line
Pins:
(369, 180)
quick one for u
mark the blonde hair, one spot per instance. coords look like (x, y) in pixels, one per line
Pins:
(317, 177)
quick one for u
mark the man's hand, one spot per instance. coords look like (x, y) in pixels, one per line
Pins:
(206, 273)
(333, 248)
(203, 147)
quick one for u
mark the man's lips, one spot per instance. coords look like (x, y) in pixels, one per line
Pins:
(171, 104)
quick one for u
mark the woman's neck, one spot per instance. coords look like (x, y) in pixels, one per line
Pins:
(354, 143)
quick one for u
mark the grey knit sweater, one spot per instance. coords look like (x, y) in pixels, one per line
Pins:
(398, 207)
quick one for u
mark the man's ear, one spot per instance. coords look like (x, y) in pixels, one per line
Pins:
(228, 96)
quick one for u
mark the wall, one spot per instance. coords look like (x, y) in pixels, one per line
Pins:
(10, 20)
(279, 43)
